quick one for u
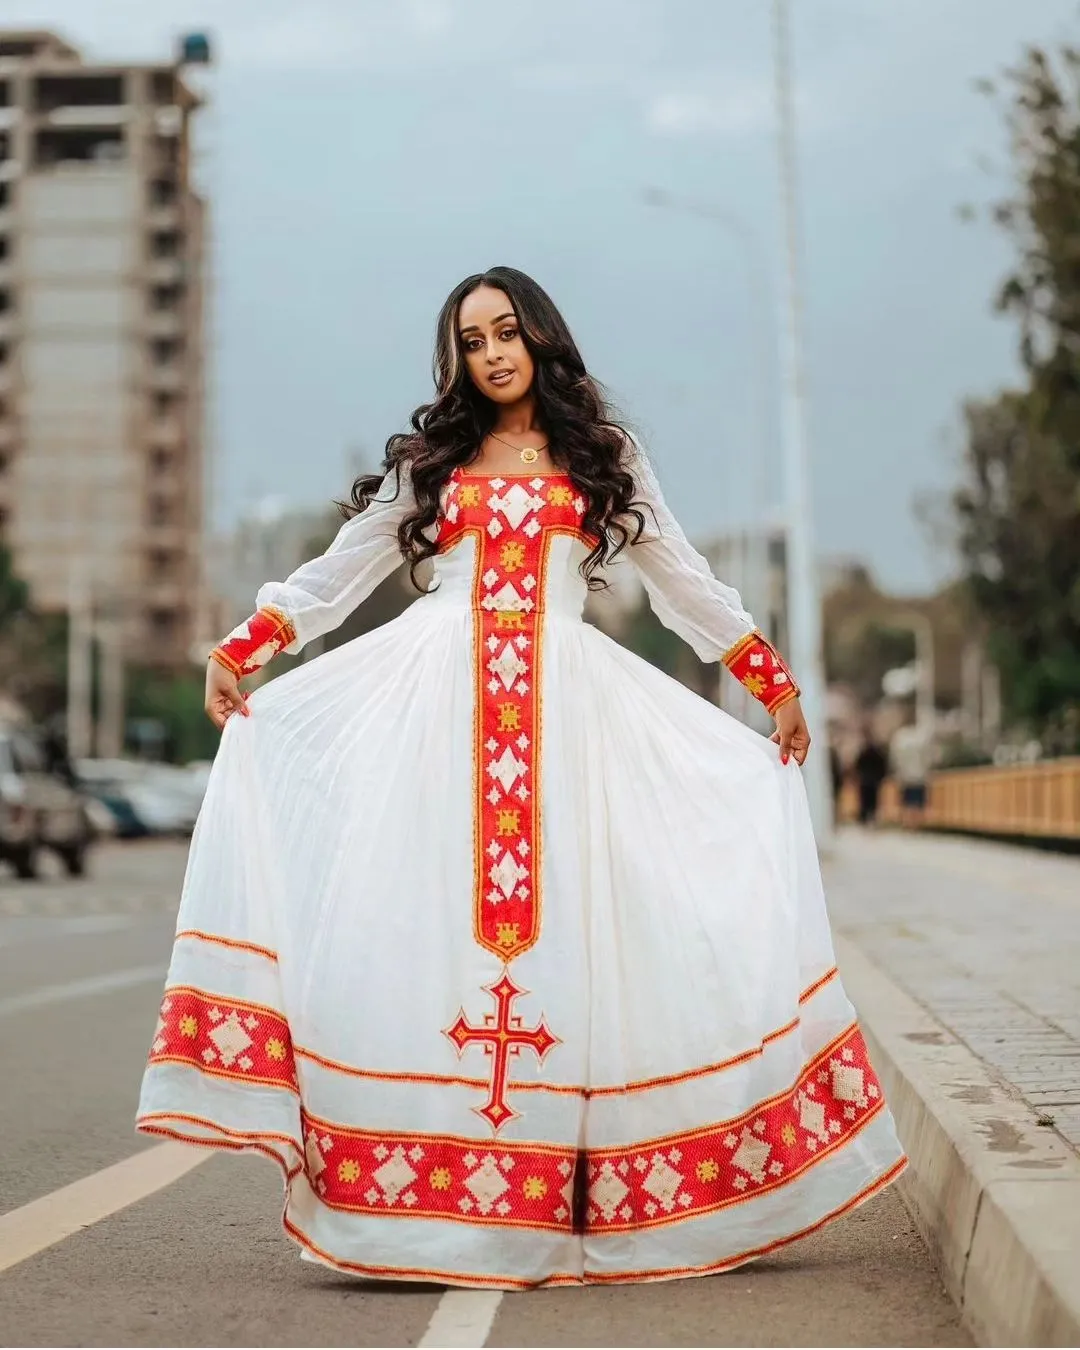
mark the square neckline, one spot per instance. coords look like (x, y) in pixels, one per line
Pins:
(464, 473)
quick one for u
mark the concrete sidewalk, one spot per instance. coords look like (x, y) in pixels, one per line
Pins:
(963, 959)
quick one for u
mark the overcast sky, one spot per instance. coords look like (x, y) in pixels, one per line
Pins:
(364, 155)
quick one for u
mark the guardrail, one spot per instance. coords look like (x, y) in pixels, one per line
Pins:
(1038, 801)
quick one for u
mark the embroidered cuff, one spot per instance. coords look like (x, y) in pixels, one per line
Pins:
(756, 663)
(257, 639)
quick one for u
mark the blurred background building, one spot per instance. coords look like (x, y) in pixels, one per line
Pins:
(102, 248)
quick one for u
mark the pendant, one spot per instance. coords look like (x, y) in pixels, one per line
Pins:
(529, 455)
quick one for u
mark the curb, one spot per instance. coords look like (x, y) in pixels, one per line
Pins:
(995, 1197)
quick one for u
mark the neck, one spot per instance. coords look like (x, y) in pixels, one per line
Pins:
(518, 419)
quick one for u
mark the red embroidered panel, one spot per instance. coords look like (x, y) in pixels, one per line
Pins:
(513, 520)
(224, 1037)
(684, 1176)
(254, 642)
(756, 663)
(645, 1185)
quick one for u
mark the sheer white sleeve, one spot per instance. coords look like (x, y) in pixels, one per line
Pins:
(682, 590)
(321, 593)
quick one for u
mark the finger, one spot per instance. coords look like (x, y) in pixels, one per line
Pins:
(238, 702)
(775, 738)
(785, 746)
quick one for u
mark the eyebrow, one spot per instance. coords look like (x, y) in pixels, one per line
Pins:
(475, 327)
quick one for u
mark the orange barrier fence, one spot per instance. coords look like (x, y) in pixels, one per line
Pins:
(1040, 800)
(1037, 800)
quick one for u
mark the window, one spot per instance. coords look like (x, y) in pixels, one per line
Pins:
(5, 195)
(161, 460)
(73, 145)
(78, 91)
(5, 248)
(163, 404)
(163, 192)
(160, 563)
(163, 298)
(165, 350)
(6, 302)
(162, 625)
(165, 244)
(160, 511)
(5, 351)
(163, 86)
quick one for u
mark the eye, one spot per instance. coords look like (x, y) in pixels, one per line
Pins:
(472, 343)
(508, 334)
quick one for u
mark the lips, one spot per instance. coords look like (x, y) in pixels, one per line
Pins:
(501, 377)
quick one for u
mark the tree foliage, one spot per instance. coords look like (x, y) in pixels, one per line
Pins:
(1018, 508)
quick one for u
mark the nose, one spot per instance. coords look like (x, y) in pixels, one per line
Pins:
(492, 354)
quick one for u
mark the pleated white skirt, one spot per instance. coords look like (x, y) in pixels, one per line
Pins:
(685, 1084)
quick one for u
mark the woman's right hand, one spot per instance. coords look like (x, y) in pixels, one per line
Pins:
(223, 696)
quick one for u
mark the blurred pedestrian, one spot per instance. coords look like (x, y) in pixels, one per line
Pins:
(871, 769)
(836, 773)
(485, 831)
(911, 754)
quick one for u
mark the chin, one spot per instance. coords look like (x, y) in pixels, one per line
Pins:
(504, 393)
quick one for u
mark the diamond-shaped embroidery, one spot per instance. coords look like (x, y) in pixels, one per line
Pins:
(516, 504)
(608, 1191)
(506, 598)
(487, 1183)
(752, 1155)
(811, 1115)
(394, 1175)
(508, 665)
(507, 874)
(506, 769)
(849, 1084)
(315, 1161)
(230, 1038)
(663, 1182)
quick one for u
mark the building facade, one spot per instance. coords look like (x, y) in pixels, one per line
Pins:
(102, 371)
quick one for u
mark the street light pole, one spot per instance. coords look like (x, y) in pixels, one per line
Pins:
(755, 556)
(804, 617)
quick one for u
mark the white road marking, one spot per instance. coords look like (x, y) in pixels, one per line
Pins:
(95, 984)
(46, 928)
(42, 1223)
(463, 1318)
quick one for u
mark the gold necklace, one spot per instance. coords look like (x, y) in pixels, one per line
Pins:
(527, 454)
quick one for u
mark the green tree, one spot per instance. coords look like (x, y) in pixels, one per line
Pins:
(1018, 507)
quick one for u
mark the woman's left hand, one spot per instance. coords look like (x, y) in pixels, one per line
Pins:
(792, 734)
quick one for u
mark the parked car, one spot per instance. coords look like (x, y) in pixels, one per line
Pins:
(38, 809)
(144, 798)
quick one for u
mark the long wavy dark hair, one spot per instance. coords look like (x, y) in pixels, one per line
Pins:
(583, 438)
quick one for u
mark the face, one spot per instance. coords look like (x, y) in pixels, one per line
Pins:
(496, 357)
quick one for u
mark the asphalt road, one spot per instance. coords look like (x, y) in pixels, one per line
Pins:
(202, 1261)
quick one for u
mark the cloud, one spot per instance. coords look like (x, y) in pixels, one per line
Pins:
(688, 113)
(735, 106)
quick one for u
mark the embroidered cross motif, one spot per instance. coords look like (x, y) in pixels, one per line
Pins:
(502, 1035)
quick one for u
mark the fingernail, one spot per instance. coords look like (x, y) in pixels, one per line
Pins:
(783, 759)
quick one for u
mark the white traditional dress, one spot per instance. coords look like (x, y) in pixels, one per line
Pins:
(510, 950)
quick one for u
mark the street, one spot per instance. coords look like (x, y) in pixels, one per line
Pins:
(202, 1260)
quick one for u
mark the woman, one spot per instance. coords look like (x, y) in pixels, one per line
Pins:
(508, 948)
